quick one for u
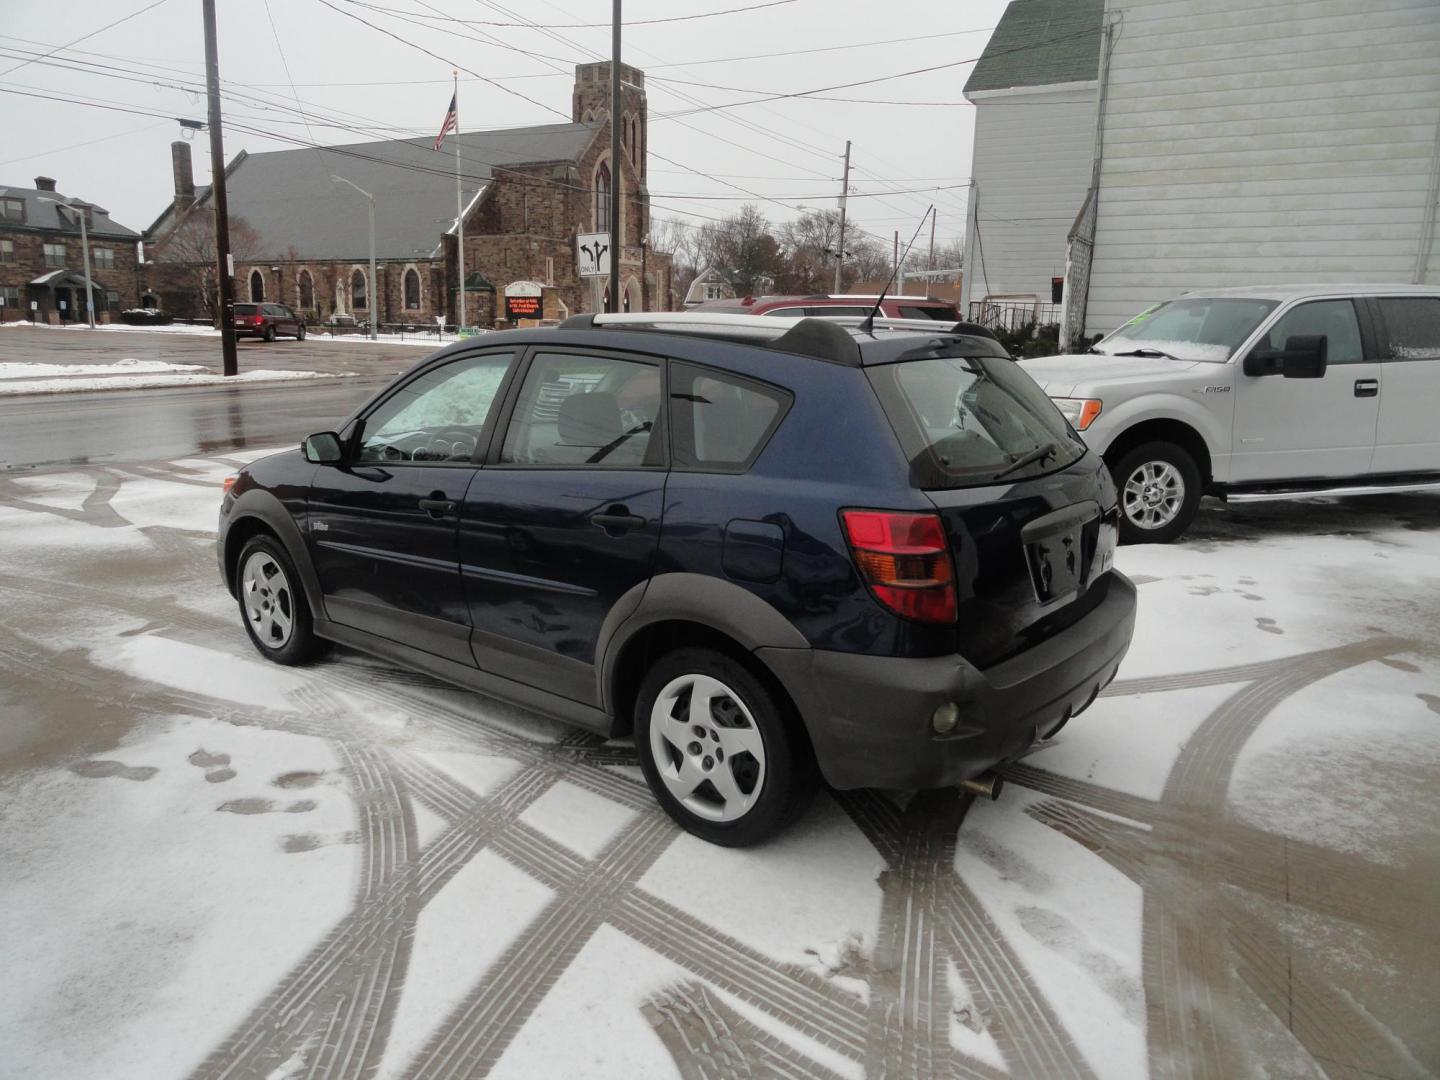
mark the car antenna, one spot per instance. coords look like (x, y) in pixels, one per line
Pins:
(869, 324)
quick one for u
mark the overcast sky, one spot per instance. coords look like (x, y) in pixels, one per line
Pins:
(347, 74)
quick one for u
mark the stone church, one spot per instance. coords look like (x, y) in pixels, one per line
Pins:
(300, 237)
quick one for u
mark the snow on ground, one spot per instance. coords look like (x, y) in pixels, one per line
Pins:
(173, 869)
(149, 888)
(78, 384)
(130, 366)
(314, 334)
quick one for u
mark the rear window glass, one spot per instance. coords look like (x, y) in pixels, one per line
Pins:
(943, 314)
(246, 309)
(1412, 324)
(720, 422)
(966, 421)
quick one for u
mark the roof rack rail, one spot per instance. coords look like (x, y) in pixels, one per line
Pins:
(819, 338)
(934, 326)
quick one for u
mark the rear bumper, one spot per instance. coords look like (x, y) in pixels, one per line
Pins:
(869, 716)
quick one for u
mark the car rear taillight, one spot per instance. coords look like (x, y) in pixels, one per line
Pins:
(228, 483)
(905, 559)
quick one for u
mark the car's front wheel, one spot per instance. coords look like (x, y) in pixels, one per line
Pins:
(273, 604)
(1159, 487)
(718, 748)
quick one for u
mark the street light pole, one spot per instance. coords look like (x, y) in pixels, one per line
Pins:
(617, 173)
(79, 212)
(370, 299)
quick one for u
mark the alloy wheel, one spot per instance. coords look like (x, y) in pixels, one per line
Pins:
(269, 602)
(1154, 494)
(707, 748)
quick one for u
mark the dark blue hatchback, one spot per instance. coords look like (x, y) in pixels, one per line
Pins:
(771, 553)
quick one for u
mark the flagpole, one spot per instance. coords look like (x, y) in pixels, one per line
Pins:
(459, 210)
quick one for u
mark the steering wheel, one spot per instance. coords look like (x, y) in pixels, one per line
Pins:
(462, 436)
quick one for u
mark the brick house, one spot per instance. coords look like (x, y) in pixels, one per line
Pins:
(42, 263)
(302, 239)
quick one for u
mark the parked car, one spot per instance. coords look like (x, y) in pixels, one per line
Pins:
(267, 321)
(885, 557)
(1258, 392)
(342, 321)
(794, 307)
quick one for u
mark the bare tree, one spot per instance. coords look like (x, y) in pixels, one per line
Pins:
(187, 253)
(810, 244)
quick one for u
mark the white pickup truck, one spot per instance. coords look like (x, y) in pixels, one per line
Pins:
(1302, 389)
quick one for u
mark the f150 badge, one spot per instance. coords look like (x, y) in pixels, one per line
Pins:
(1211, 390)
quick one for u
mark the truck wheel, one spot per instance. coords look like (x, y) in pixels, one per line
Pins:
(1159, 489)
(717, 750)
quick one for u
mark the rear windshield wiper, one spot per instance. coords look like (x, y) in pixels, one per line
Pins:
(1156, 353)
(1040, 453)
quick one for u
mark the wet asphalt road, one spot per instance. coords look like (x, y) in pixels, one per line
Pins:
(146, 425)
(149, 425)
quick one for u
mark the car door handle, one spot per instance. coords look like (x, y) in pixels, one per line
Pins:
(437, 507)
(1367, 387)
(617, 519)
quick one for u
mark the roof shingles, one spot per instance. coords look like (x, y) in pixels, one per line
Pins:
(1040, 43)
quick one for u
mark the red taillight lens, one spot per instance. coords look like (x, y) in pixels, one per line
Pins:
(228, 483)
(905, 559)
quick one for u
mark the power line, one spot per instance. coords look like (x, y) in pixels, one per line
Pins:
(84, 37)
(87, 142)
(593, 26)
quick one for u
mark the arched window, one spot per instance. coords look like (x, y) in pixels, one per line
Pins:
(358, 297)
(412, 289)
(307, 290)
(257, 286)
(602, 197)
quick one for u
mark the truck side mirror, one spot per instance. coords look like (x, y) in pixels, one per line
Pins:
(323, 448)
(1304, 357)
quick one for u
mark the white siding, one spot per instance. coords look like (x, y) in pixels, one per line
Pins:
(1033, 153)
(1264, 142)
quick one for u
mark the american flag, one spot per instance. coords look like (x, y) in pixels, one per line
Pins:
(451, 119)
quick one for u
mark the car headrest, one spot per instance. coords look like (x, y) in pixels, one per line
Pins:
(591, 419)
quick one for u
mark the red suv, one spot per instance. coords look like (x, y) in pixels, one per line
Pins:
(894, 307)
(267, 321)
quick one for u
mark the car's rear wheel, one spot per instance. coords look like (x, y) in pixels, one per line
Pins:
(300, 333)
(1159, 489)
(269, 333)
(718, 748)
(273, 604)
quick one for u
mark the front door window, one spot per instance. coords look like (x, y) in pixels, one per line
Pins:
(438, 416)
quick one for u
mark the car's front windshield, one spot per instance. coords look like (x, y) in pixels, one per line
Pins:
(1190, 329)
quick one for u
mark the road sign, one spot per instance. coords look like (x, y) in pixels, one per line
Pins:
(592, 254)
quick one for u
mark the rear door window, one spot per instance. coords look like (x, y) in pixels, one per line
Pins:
(1412, 327)
(581, 409)
(967, 421)
(720, 422)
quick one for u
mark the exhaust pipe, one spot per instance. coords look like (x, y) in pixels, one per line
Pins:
(988, 784)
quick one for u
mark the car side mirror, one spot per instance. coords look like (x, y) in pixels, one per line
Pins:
(323, 448)
(1304, 357)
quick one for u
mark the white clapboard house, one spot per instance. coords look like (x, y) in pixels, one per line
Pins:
(1142, 148)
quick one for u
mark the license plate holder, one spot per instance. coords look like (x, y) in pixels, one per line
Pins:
(1055, 552)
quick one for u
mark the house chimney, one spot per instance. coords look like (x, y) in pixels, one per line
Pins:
(44, 183)
(184, 175)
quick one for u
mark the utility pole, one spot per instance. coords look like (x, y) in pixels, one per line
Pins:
(844, 191)
(224, 282)
(895, 260)
(617, 173)
(930, 262)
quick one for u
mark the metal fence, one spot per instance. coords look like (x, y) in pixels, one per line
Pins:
(1013, 314)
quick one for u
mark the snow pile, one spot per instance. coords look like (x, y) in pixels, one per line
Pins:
(129, 366)
(14, 386)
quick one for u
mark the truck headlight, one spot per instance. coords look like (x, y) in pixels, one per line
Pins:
(1081, 412)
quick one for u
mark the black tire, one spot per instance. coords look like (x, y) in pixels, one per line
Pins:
(1155, 468)
(300, 333)
(270, 333)
(783, 783)
(300, 645)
